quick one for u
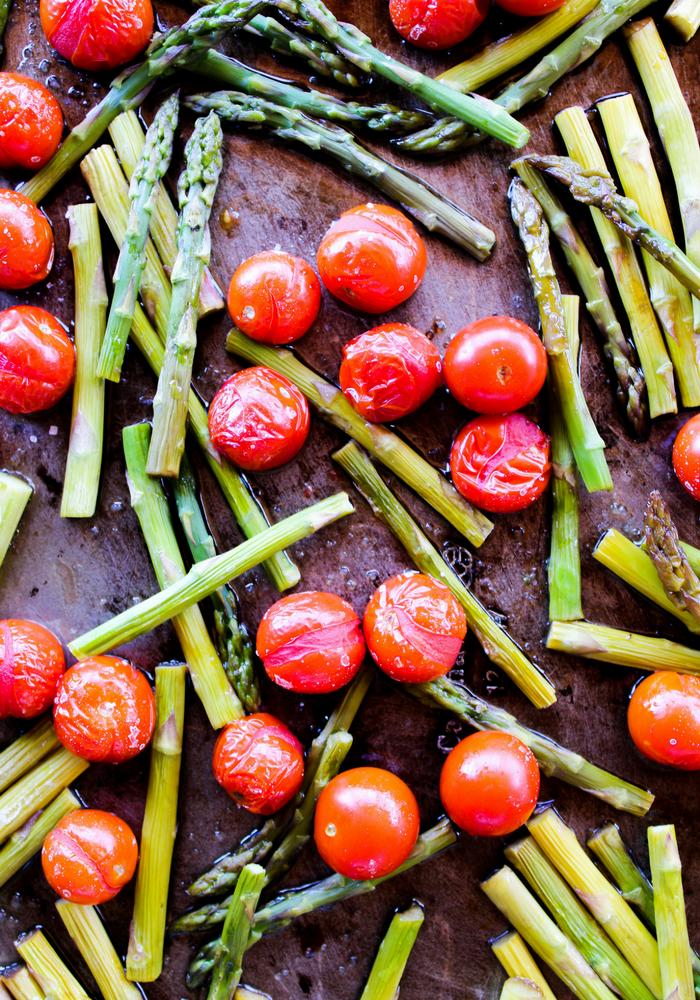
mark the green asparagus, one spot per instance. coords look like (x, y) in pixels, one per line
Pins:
(15, 493)
(90, 937)
(393, 955)
(320, 57)
(27, 750)
(514, 955)
(235, 936)
(626, 649)
(679, 580)
(29, 839)
(684, 16)
(669, 911)
(48, 968)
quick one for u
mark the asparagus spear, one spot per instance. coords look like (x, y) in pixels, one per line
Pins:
(626, 649)
(520, 989)
(90, 937)
(393, 955)
(684, 16)
(235, 935)
(37, 788)
(21, 985)
(48, 969)
(29, 839)
(15, 494)
(678, 579)
(320, 57)
(669, 911)
(513, 954)
(27, 750)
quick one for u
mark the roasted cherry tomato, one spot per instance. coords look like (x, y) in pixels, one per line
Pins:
(37, 360)
(686, 456)
(414, 627)
(529, 8)
(489, 784)
(437, 24)
(104, 710)
(366, 823)
(664, 719)
(274, 297)
(31, 664)
(501, 463)
(390, 371)
(258, 419)
(259, 762)
(495, 365)
(89, 856)
(372, 258)
(26, 242)
(97, 34)
(31, 122)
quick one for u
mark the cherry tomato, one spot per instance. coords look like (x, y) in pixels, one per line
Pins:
(437, 24)
(664, 719)
(489, 784)
(26, 242)
(258, 419)
(686, 456)
(31, 663)
(529, 8)
(390, 371)
(274, 297)
(31, 122)
(104, 710)
(366, 823)
(495, 365)
(372, 258)
(259, 762)
(97, 34)
(37, 360)
(414, 627)
(89, 856)
(501, 463)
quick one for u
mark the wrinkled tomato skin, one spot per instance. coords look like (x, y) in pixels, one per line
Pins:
(37, 360)
(501, 463)
(437, 24)
(366, 823)
(31, 665)
(664, 719)
(26, 242)
(259, 419)
(274, 297)
(104, 710)
(414, 628)
(89, 856)
(495, 365)
(259, 763)
(489, 784)
(311, 642)
(372, 258)
(686, 456)
(390, 371)
(97, 34)
(31, 123)
(530, 8)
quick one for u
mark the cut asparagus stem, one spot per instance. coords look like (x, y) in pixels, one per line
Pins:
(684, 16)
(626, 649)
(37, 788)
(21, 985)
(320, 57)
(661, 541)
(380, 442)
(29, 839)
(90, 937)
(235, 936)
(393, 955)
(15, 494)
(520, 989)
(27, 750)
(669, 911)
(583, 147)
(48, 968)
(4, 995)
(513, 954)
(497, 644)
(150, 504)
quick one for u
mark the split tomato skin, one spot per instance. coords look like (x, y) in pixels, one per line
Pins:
(437, 24)
(274, 297)
(311, 642)
(663, 717)
(686, 456)
(26, 242)
(97, 34)
(31, 665)
(37, 360)
(31, 123)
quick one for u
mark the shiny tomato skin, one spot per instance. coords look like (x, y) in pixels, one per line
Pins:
(686, 456)
(437, 24)
(26, 242)
(274, 297)
(311, 642)
(104, 710)
(489, 784)
(259, 763)
(372, 258)
(89, 856)
(530, 8)
(495, 365)
(31, 123)
(37, 360)
(414, 627)
(31, 664)
(501, 463)
(390, 371)
(259, 419)
(97, 34)
(366, 823)
(664, 719)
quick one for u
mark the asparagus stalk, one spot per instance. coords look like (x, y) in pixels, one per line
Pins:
(90, 937)
(255, 847)
(626, 649)
(498, 645)
(320, 57)
(393, 955)
(380, 442)
(513, 954)
(669, 911)
(520, 989)
(48, 968)
(235, 935)
(21, 985)
(15, 494)
(25, 752)
(4, 995)
(684, 16)
(29, 839)
(37, 788)
(678, 579)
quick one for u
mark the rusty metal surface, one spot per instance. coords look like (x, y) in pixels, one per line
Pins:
(72, 574)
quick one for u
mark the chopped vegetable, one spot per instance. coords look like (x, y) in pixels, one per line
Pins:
(28, 839)
(626, 649)
(37, 359)
(664, 719)
(31, 122)
(48, 968)
(274, 297)
(669, 910)
(92, 941)
(31, 665)
(393, 955)
(100, 34)
(513, 954)
(37, 788)
(15, 494)
(439, 24)
(686, 456)
(27, 750)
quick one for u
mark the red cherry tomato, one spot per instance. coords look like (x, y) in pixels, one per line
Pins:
(31, 663)
(258, 419)
(104, 710)
(97, 34)
(390, 371)
(414, 627)
(366, 823)
(372, 258)
(274, 297)
(89, 856)
(26, 242)
(495, 365)
(664, 719)
(529, 8)
(489, 784)
(437, 24)
(37, 360)
(501, 463)
(31, 122)
(686, 456)
(259, 762)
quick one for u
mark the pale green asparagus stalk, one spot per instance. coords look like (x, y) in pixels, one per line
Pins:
(29, 839)
(625, 649)
(684, 16)
(15, 494)
(394, 952)
(90, 937)
(669, 911)
(27, 750)
(321, 58)
(515, 957)
(21, 985)
(520, 989)
(37, 788)
(235, 936)
(48, 968)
